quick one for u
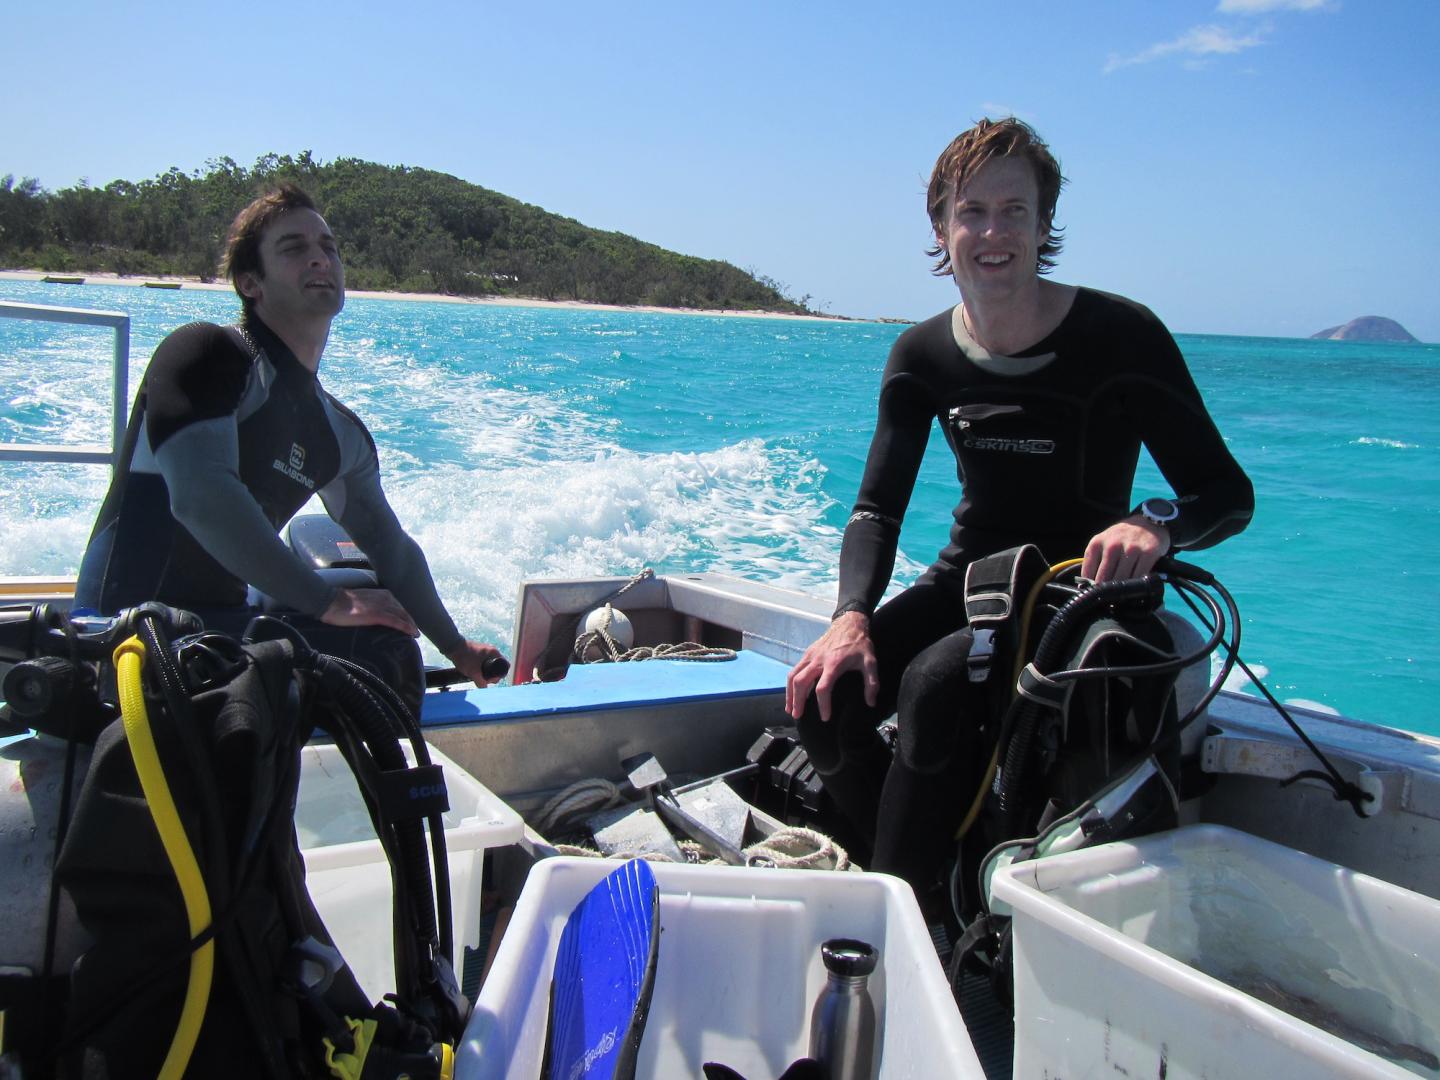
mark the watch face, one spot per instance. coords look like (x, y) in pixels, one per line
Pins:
(1159, 510)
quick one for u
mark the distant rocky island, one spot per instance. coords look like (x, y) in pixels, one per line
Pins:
(1368, 328)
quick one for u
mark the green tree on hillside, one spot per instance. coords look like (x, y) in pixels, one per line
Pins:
(402, 228)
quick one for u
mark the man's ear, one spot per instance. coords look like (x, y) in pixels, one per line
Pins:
(248, 282)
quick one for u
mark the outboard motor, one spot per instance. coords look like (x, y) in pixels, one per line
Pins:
(324, 545)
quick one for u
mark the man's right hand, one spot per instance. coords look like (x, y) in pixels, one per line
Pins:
(470, 658)
(369, 607)
(844, 647)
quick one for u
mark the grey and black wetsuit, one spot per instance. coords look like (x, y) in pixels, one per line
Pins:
(229, 437)
(1046, 446)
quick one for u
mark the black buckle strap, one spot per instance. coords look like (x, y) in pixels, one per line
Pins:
(412, 794)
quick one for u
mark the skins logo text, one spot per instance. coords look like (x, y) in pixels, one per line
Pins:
(1011, 446)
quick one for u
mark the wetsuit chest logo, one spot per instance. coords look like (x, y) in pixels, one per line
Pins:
(293, 467)
(971, 421)
(1010, 446)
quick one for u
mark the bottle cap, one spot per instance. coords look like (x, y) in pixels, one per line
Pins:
(848, 957)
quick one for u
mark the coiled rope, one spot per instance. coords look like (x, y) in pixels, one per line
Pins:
(599, 646)
(576, 802)
(791, 847)
(797, 848)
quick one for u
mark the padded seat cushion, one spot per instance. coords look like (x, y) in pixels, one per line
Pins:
(589, 687)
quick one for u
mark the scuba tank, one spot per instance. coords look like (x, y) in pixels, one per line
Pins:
(198, 951)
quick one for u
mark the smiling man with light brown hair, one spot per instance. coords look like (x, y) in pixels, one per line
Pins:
(1046, 394)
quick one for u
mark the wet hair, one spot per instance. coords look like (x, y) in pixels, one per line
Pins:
(964, 157)
(242, 245)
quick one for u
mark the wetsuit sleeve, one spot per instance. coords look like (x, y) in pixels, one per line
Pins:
(872, 535)
(197, 373)
(193, 387)
(1215, 497)
(356, 500)
(200, 463)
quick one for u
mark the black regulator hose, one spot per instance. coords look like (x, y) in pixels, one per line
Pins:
(424, 931)
(1136, 594)
(404, 839)
(440, 858)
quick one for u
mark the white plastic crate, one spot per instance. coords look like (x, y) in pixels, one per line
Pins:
(349, 877)
(1167, 956)
(739, 970)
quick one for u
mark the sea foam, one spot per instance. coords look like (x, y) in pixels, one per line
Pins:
(520, 443)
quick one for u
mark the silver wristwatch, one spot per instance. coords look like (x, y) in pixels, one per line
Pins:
(1158, 511)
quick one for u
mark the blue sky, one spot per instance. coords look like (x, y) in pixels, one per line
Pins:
(1258, 167)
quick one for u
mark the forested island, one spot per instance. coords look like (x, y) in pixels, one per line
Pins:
(401, 229)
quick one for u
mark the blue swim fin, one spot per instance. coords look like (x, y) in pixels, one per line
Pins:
(604, 976)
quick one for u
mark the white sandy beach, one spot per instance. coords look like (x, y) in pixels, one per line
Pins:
(102, 278)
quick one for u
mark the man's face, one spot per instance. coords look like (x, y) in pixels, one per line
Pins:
(993, 230)
(302, 276)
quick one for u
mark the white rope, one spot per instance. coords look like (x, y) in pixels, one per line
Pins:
(789, 848)
(584, 797)
(796, 848)
(599, 645)
(649, 854)
(611, 651)
(693, 854)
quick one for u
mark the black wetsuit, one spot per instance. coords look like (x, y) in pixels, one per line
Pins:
(1046, 445)
(230, 436)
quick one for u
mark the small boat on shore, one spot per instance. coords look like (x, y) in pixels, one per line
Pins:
(63, 279)
(1280, 931)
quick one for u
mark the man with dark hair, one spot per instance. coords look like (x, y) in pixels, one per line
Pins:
(242, 244)
(1045, 393)
(231, 434)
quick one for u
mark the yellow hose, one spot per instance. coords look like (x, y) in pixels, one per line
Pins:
(1026, 611)
(129, 661)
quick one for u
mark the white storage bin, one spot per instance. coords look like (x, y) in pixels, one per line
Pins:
(1167, 956)
(349, 877)
(739, 970)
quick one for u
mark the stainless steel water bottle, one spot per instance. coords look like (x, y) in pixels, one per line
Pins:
(842, 1024)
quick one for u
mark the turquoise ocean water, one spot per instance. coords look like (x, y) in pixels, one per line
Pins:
(525, 442)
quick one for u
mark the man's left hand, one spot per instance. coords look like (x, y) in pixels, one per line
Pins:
(469, 658)
(368, 607)
(1127, 549)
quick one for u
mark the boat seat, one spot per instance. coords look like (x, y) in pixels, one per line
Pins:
(596, 687)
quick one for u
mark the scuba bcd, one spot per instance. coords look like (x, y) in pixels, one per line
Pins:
(1088, 747)
(200, 951)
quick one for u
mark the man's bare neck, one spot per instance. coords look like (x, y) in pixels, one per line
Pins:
(1011, 324)
(306, 339)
